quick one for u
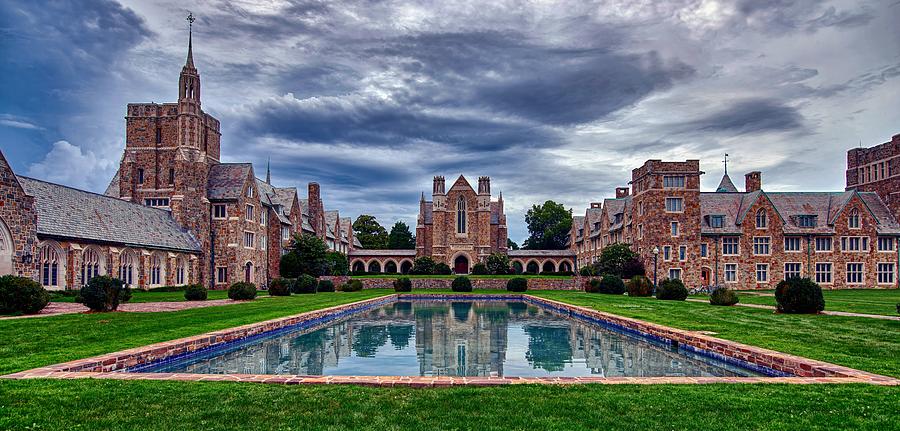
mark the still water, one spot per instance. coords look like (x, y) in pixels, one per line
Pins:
(453, 338)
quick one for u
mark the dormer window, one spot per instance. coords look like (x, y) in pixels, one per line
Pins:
(717, 221)
(853, 219)
(806, 221)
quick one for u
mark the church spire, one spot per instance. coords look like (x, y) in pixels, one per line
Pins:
(190, 56)
(189, 82)
(269, 171)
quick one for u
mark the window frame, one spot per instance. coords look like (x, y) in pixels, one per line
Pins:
(830, 241)
(224, 208)
(674, 199)
(765, 271)
(762, 219)
(799, 271)
(861, 273)
(792, 238)
(737, 246)
(892, 273)
(733, 270)
(757, 244)
(830, 273)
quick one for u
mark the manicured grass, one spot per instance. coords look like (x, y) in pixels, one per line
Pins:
(138, 405)
(142, 296)
(867, 344)
(504, 277)
(869, 301)
(35, 342)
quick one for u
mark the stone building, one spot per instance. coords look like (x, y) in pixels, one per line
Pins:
(877, 169)
(751, 239)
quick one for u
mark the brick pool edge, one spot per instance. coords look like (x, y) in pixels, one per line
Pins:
(108, 366)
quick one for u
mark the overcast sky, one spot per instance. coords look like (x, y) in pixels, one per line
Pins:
(371, 99)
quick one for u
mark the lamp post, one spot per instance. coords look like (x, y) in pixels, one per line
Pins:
(655, 258)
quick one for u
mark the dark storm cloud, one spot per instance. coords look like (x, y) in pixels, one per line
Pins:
(751, 116)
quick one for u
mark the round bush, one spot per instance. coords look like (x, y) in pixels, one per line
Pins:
(442, 269)
(592, 285)
(352, 286)
(20, 295)
(639, 286)
(799, 295)
(461, 284)
(612, 284)
(242, 291)
(517, 284)
(326, 286)
(104, 293)
(480, 269)
(195, 292)
(281, 286)
(671, 289)
(723, 296)
(403, 284)
(586, 271)
(305, 284)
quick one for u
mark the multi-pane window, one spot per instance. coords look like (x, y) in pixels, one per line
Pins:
(249, 192)
(704, 250)
(179, 272)
(49, 267)
(249, 215)
(792, 243)
(285, 233)
(792, 270)
(716, 221)
(885, 272)
(761, 219)
(762, 273)
(155, 270)
(885, 243)
(674, 205)
(673, 181)
(853, 219)
(667, 253)
(674, 228)
(730, 246)
(461, 215)
(90, 265)
(854, 273)
(264, 217)
(219, 211)
(222, 275)
(855, 243)
(823, 243)
(823, 272)
(806, 221)
(761, 245)
(249, 239)
(675, 273)
(126, 268)
(730, 272)
(682, 252)
(157, 202)
(263, 243)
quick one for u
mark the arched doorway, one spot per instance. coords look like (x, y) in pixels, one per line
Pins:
(390, 267)
(6, 250)
(517, 267)
(461, 264)
(704, 277)
(248, 272)
(565, 266)
(374, 266)
(532, 267)
(405, 266)
(358, 266)
(548, 267)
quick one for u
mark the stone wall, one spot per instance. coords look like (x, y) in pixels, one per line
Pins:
(18, 224)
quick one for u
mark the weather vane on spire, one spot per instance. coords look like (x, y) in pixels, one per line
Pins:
(726, 163)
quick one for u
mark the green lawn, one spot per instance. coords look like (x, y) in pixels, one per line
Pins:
(869, 301)
(144, 405)
(142, 296)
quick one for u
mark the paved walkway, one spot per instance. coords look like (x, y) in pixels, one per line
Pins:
(55, 308)
(830, 313)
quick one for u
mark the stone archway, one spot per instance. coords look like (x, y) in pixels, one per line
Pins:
(565, 266)
(390, 267)
(518, 267)
(532, 267)
(374, 266)
(358, 266)
(548, 266)
(6, 250)
(405, 266)
(461, 264)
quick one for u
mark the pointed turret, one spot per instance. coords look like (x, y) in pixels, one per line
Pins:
(189, 82)
(190, 57)
(269, 171)
(726, 186)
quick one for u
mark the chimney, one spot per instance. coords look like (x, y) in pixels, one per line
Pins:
(438, 188)
(753, 181)
(621, 192)
(315, 209)
(596, 204)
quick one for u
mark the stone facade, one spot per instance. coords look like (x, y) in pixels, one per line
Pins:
(18, 222)
(877, 169)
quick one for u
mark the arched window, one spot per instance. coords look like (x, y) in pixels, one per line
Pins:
(761, 220)
(156, 270)
(90, 264)
(50, 264)
(248, 272)
(853, 220)
(179, 271)
(126, 267)
(461, 215)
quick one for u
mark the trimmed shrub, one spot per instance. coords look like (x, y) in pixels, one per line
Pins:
(403, 284)
(586, 271)
(517, 284)
(592, 285)
(639, 286)
(461, 284)
(242, 291)
(195, 292)
(20, 295)
(167, 289)
(479, 269)
(281, 286)
(351, 286)
(104, 293)
(325, 286)
(423, 266)
(611, 284)
(723, 296)
(442, 269)
(305, 284)
(799, 296)
(671, 289)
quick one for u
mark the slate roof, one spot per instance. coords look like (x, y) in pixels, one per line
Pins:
(346, 227)
(356, 243)
(578, 225)
(64, 212)
(540, 253)
(429, 212)
(112, 189)
(726, 186)
(495, 212)
(226, 180)
(593, 216)
(616, 207)
(356, 253)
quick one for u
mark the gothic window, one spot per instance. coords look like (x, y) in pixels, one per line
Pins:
(126, 267)
(156, 270)
(761, 220)
(179, 271)
(90, 265)
(461, 215)
(853, 220)
(50, 264)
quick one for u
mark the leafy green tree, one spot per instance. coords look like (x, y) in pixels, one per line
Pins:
(497, 263)
(311, 254)
(548, 226)
(337, 263)
(618, 260)
(371, 235)
(423, 266)
(401, 238)
(289, 267)
(510, 244)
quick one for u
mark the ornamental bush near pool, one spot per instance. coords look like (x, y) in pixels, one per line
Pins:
(195, 292)
(518, 284)
(671, 289)
(305, 284)
(325, 286)
(20, 295)
(351, 286)
(281, 286)
(242, 291)
(461, 284)
(104, 293)
(639, 286)
(402, 284)
(592, 285)
(612, 284)
(723, 296)
(799, 296)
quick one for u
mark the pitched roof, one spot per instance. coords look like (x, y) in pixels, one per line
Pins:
(495, 212)
(65, 212)
(356, 253)
(112, 189)
(429, 212)
(726, 185)
(541, 253)
(226, 180)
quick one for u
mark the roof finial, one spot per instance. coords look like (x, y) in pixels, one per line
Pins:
(726, 163)
(190, 57)
(422, 199)
(269, 171)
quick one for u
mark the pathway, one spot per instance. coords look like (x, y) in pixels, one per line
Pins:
(55, 308)
(830, 313)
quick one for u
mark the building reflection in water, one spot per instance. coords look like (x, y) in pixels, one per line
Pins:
(487, 338)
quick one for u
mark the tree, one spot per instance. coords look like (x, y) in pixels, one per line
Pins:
(401, 238)
(289, 267)
(549, 226)
(510, 244)
(371, 235)
(423, 266)
(498, 263)
(337, 263)
(619, 260)
(311, 254)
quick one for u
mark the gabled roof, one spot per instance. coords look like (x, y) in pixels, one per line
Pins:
(616, 207)
(226, 180)
(112, 190)
(495, 212)
(346, 228)
(726, 186)
(461, 182)
(331, 218)
(65, 212)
